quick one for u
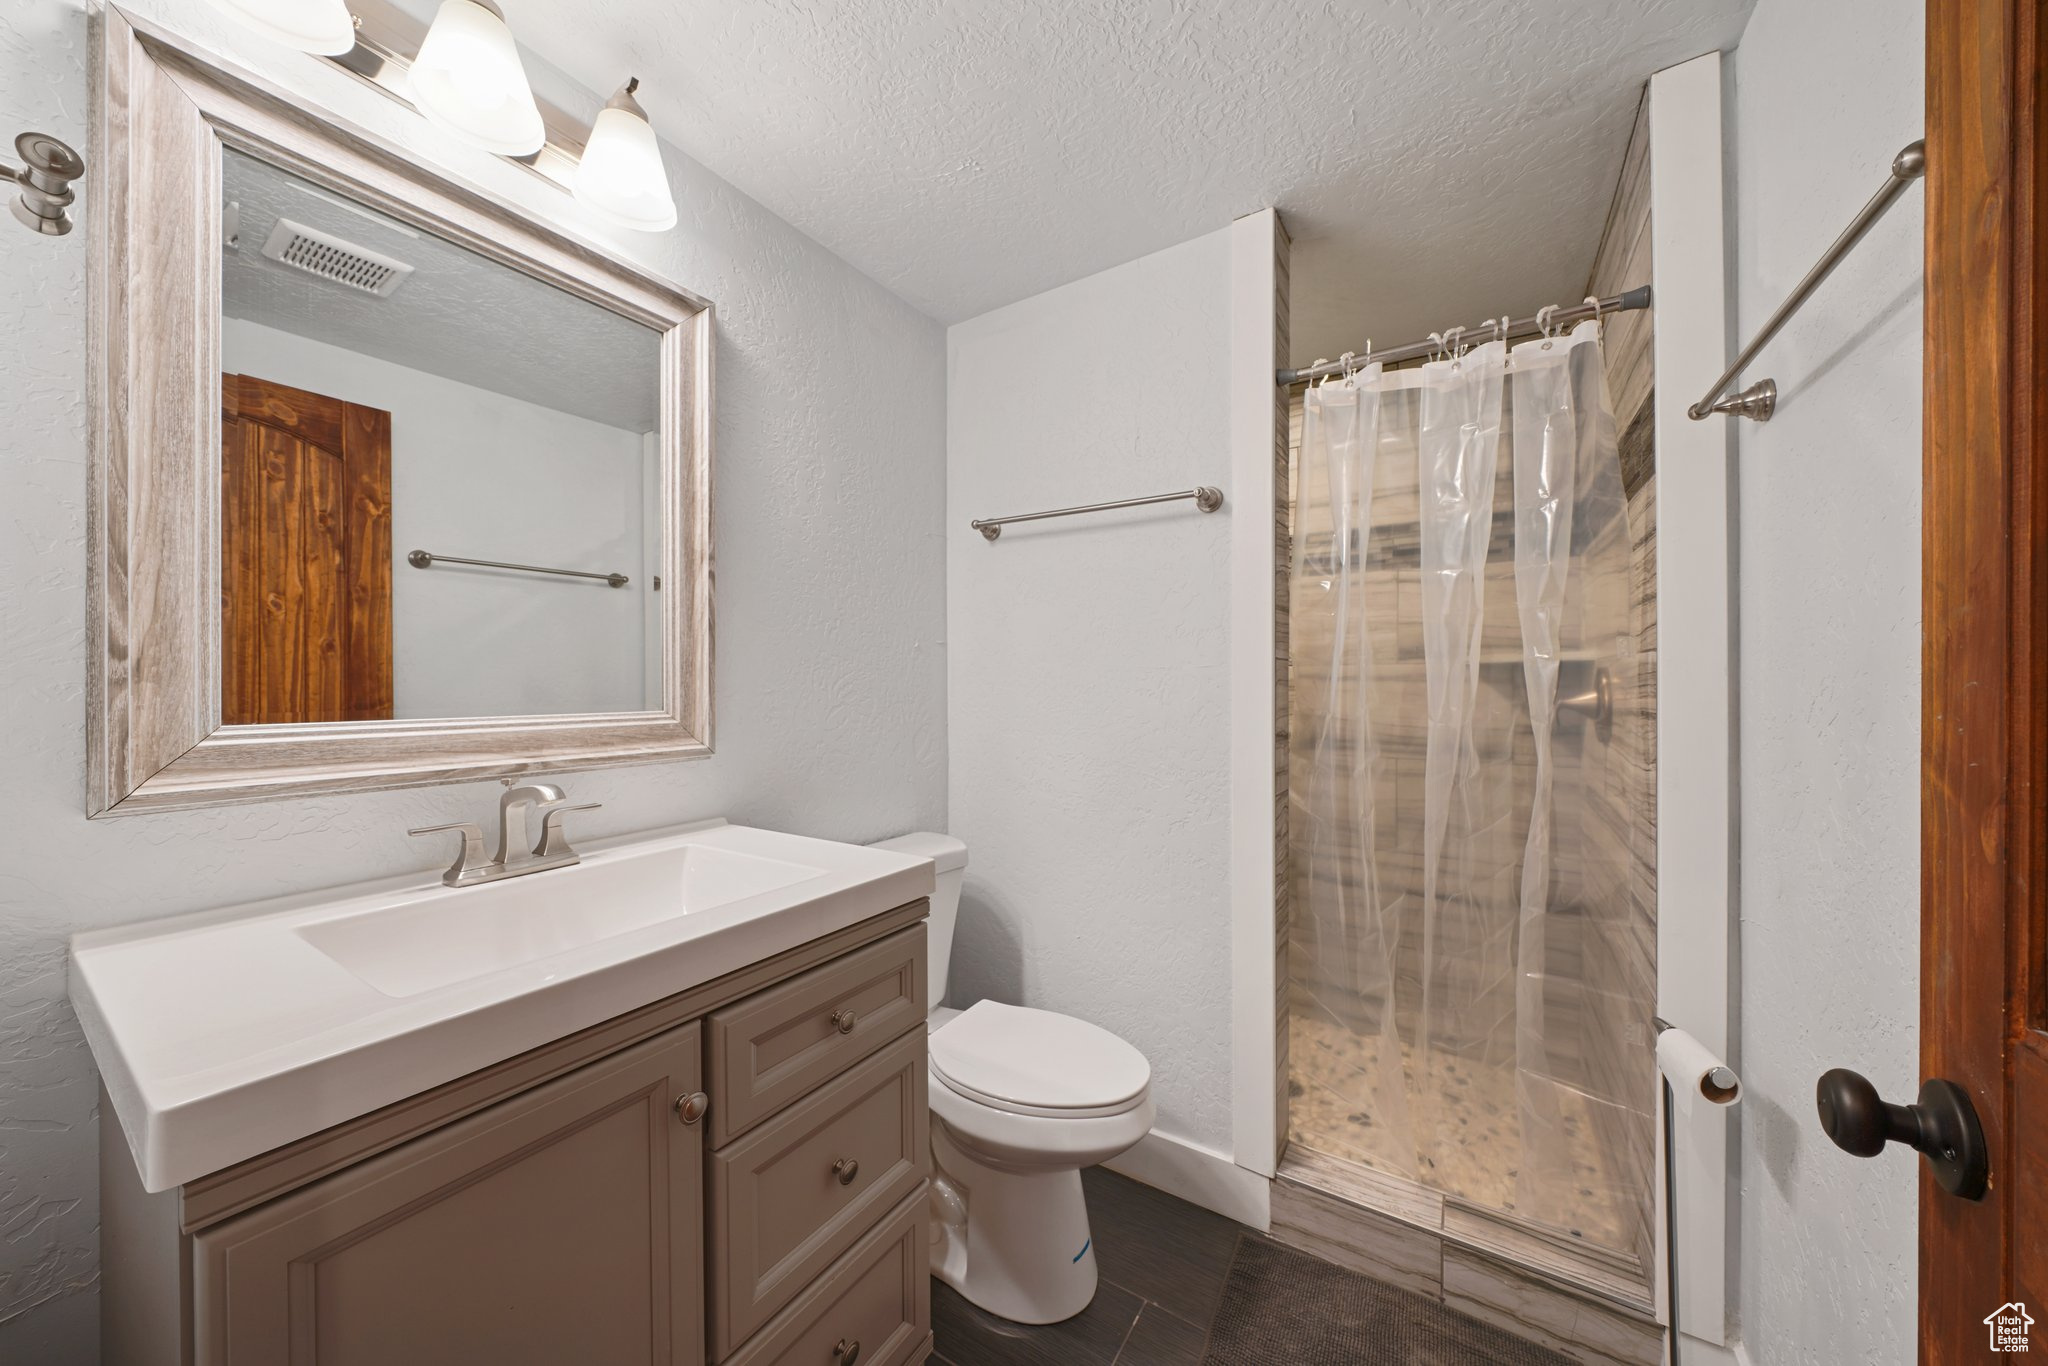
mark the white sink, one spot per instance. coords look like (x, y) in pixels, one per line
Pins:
(225, 1034)
(419, 945)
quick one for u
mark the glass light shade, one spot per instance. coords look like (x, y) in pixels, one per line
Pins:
(621, 176)
(468, 79)
(319, 26)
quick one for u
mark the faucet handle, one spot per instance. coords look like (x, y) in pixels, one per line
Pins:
(470, 861)
(554, 842)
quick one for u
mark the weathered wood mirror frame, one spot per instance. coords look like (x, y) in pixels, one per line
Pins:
(162, 113)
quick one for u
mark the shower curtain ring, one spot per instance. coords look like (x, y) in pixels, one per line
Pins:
(1544, 315)
(1593, 301)
(1452, 338)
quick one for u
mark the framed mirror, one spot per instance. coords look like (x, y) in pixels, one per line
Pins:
(392, 484)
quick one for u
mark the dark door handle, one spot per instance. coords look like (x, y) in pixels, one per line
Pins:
(1942, 1126)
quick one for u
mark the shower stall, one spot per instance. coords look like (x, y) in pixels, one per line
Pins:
(1472, 943)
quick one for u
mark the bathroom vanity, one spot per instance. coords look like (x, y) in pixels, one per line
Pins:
(659, 1101)
(703, 1137)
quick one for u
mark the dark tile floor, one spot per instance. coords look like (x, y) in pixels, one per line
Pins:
(1162, 1262)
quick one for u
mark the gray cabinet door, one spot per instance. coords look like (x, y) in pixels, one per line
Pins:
(562, 1225)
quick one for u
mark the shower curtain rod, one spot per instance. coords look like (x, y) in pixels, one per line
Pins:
(1639, 297)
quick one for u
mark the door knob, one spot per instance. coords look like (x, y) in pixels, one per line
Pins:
(846, 1351)
(1942, 1125)
(846, 1169)
(843, 1021)
(690, 1106)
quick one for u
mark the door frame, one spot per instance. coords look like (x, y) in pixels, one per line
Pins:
(1695, 697)
(1984, 647)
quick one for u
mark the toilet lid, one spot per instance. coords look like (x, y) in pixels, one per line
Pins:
(1038, 1061)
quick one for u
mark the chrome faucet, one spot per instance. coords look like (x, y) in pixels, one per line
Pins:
(516, 856)
(513, 805)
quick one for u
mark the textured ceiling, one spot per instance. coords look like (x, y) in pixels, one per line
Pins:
(458, 315)
(1436, 160)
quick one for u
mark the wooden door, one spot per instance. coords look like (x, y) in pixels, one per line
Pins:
(1984, 729)
(305, 556)
(564, 1225)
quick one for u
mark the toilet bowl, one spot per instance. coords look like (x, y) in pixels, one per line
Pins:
(1021, 1100)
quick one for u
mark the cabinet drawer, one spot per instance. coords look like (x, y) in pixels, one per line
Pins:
(775, 1046)
(877, 1300)
(780, 1214)
(560, 1225)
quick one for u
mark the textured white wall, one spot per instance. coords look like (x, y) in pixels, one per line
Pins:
(486, 476)
(830, 682)
(1824, 92)
(1087, 665)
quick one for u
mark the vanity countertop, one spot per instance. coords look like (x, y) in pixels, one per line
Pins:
(224, 1034)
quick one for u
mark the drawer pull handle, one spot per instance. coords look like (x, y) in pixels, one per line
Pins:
(846, 1169)
(690, 1108)
(843, 1021)
(846, 1351)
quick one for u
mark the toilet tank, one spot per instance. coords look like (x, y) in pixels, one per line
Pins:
(949, 859)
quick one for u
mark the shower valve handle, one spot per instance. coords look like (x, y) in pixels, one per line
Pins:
(1942, 1125)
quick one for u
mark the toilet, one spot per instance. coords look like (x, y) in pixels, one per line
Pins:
(1021, 1100)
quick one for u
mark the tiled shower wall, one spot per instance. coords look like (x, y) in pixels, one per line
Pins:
(1607, 943)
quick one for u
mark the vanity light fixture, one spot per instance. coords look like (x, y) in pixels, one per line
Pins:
(621, 177)
(463, 73)
(469, 80)
(45, 180)
(322, 27)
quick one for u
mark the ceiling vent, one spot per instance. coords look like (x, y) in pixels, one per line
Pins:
(335, 258)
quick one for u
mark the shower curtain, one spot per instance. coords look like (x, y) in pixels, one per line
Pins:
(1461, 614)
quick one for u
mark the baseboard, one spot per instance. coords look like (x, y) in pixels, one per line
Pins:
(1200, 1176)
(1694, 1351)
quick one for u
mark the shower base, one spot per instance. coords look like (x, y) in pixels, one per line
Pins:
(1331, 1068)
(1595, 1306)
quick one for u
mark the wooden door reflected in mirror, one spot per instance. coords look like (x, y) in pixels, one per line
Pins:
(305, 556)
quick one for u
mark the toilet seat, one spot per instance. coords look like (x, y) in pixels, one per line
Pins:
(1039, 1063)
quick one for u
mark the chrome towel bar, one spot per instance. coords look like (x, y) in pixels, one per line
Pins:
(420, 559)
(1206, 498)
(1760, 400)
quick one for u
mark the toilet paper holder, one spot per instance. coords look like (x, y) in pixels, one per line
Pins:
(1683, 1062)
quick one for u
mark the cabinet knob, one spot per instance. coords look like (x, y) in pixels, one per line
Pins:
(846, 1169)
(690, 1108)
(844, 1021)
(846, 1351)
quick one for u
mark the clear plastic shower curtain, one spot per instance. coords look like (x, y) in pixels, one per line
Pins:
(1461, 570)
